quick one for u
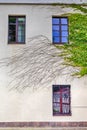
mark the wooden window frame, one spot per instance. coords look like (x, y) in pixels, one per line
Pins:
(60, 37)
(61, 87)
(16, 24)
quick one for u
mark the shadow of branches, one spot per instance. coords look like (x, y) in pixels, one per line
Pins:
(37, 64)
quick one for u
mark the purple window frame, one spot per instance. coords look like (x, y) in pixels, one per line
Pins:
(16, 24)
(61, 89)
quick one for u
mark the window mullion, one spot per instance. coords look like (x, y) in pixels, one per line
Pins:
(60, 30)
(16, 29)
(60, 100)
(69, 101)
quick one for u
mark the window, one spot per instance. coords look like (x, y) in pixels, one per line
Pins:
(61, 100)
(16, 30)
(60, 30)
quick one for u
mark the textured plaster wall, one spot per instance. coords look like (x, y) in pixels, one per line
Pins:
(32, 105)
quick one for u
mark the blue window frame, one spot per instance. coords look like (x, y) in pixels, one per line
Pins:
(60, 30)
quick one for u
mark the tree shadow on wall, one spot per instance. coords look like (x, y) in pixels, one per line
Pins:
(36, 65)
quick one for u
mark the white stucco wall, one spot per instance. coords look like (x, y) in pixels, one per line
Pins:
(36, 105)
(44, 1)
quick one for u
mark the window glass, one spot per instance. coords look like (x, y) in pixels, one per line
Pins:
(64, 27)
(21, 33)
(64, 21)
(55, 27)
(64, 39)
(56, 39)
(12, 20)
(21, 20)
(55, 20)
(56, 33)
(56, 107)
(12, 33)
(64, 33)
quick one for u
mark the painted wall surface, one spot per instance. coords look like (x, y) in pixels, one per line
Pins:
(44, 1)
(35, 104)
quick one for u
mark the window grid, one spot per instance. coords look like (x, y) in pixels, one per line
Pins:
(61, 29)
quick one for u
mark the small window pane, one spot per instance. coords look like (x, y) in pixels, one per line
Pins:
(21, 20)
(12, 28)
(64, 21)
(64, 27)
(21, 28)
(64, 33)
(56, 33)
(55, 27)
(21, 38)
(64, 39)
(56, 39)
(65, 109)
(56, 108)
(55, 20)
(11, 38)
(21, 33)
(56, 97)
(12, 33)
(12, 20)
(65, 97)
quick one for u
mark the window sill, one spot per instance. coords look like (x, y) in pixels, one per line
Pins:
(60, 43)
(16, 43)
(62, 114)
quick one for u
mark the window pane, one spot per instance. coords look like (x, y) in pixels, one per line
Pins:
(56, 97)
(56, 107)
(21, 39)
(64, 33)
(65, 97)
(12, 20)
(55, 20)
(12, 33)
(55, 27)
(21, 28)
(64, 21)
(21, 32)
(56, 39)
(56, 33)
(64, 39)
(65, 109)
(21, 20)
(64, 27)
